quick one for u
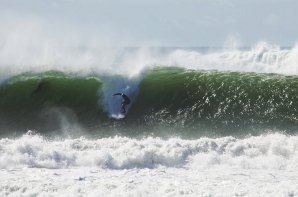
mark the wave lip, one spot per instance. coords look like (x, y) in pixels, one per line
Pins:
(261, 58)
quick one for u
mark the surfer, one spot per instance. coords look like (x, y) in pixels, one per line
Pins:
(125, 101)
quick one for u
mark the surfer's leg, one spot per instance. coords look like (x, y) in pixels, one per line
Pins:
(123, 107)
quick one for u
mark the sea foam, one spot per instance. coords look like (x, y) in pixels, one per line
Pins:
(271, 151)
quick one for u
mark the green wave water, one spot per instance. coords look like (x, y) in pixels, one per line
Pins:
(34, 101)
(168, 101)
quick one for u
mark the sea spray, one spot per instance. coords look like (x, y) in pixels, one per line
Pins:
(261, 58)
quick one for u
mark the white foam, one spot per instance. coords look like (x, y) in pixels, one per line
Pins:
(119, 166)
(273, 151)
(118, 116)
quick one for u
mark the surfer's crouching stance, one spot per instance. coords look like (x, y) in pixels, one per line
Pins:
(125, 101)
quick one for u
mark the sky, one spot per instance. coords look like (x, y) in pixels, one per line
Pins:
(169, 23)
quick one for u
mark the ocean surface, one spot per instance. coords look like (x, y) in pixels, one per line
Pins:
(202, 122)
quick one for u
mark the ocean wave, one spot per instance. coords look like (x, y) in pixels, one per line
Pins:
(180, 101)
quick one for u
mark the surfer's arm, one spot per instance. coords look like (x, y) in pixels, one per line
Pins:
(117, 94)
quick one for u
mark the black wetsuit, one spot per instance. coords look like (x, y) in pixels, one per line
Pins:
(125, 101)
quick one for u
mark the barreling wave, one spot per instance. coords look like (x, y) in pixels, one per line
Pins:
(180, 101)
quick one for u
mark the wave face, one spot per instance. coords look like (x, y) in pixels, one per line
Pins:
(165, 101)
(193, 99)
(47, 100)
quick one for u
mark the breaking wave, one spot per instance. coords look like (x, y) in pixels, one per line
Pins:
(191, 102)
(271, 151)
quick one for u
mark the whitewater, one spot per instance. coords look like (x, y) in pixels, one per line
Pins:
(203, 122)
